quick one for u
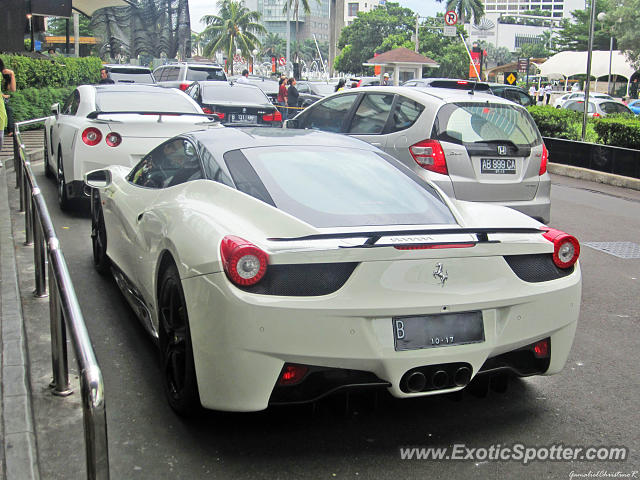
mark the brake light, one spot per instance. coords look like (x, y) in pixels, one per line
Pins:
(184, 86)
(543, 160)
(566, 248)
(462, 82)
(433, 246)
(596, 115)
(244, 263)
(292, 374)
(208, 111)
(91, 136)
(272, 117)
(113, 139)
(430, 156)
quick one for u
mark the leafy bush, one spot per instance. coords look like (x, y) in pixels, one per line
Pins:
(55, 72)
(32, 103)
(619, 130)
(556, 122)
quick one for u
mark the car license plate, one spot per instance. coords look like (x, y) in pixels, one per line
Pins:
(498, 165)
(429, 331)
(243, 118)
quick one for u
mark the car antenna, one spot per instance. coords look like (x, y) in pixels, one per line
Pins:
(473, 89)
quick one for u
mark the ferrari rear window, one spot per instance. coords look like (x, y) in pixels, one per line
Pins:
(141, 101)
(337, 187)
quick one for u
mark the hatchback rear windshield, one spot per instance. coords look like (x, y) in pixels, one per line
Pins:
(472, 122)
(159, 99)
(337, 187)
(131, 75)
(228, 93)
(205, 73)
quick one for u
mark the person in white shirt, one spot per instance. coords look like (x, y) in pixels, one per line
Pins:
(244, 77)
(532, 91)
(547, 93)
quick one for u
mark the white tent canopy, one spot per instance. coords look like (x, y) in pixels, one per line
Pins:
(568, 64)
(89, 6)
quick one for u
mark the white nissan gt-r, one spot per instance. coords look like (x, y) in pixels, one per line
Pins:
(278, 266)
(101, 125)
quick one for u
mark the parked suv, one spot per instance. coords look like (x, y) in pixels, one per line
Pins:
(474, 147)
(182, 74)
(129, 74)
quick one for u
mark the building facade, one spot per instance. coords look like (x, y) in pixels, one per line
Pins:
(352, 7)
(274, 19)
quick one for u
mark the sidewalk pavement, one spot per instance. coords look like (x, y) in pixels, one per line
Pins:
(41, 435)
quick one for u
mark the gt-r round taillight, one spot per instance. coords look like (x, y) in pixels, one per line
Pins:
(566, 248)
(113, 139)
(91, 136)
(244, 263)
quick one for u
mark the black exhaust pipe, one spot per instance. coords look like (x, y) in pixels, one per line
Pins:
(440, 379)
(416, 382)
(462, 377)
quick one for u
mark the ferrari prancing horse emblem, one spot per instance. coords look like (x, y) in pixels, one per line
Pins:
(440, 274)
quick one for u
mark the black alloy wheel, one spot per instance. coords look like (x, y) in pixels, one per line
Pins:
(98, 235)
(176, 353)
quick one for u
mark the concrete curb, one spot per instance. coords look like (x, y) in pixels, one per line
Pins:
(594, 176)
(18, 430)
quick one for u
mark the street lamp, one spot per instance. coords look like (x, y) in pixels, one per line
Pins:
(602, 16)
(254, 53)
(592, 20)
(30, 17)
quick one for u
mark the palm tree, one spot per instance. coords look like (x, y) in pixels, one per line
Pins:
(466, 9)
(234, 27)
(295, 4)
(273, 45)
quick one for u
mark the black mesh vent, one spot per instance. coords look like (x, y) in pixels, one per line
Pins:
(304, 280)
(536, 268)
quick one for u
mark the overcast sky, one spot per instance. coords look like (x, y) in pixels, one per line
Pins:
(198, 8)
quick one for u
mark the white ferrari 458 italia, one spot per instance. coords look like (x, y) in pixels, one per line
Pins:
(102, 125)
(278, 266)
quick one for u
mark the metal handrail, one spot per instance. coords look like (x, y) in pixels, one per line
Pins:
(64, 312)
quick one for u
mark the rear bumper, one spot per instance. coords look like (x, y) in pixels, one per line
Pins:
(241, 341)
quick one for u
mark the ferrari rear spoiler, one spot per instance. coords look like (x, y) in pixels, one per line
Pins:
(96, 114)
(482, 234)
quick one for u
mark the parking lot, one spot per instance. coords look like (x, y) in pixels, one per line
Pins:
(590, 403)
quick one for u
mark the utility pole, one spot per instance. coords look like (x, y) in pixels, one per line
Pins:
(588, 82)
(288, 37)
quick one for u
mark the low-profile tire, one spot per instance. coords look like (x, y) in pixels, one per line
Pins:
(176, 352)
(63, 200)
(47, 166)
(99, 235)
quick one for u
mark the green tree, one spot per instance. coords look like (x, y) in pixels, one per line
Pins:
(574, 34)
(367, 32)
(453, 60)
(234, 27)
(625, 19)
(58, 26)
(466, 9)
(534, 50)
(273, 45)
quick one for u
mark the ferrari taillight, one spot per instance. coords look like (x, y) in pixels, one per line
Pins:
(91, 136)
(292, 374)
(566, 248)
(243, 262)
(113, 139)
(430, 156)
(543, 160)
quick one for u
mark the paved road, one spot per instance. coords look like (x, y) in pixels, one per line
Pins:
(594, 401)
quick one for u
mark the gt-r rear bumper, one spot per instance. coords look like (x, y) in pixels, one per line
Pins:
(241, 341)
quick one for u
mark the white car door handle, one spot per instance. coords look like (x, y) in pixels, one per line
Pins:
(140, 216)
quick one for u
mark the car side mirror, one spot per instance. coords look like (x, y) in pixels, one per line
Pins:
(293, 123)
(98, 178)
(55, 109)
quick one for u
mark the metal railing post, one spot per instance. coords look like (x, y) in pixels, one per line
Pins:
(95, 425)
(59, 361)
(16, 154)
(39, 258)
(28, 214)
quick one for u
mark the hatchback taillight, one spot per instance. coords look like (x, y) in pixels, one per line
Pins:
(113, 139)
(243, 262)
(183, 86)
(430, 156)
(544, 160)
(272, 117)
(91, 136)
(566, 248)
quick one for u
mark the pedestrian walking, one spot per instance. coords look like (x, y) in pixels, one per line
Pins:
(282, 97)
(340, 86)
(532, 91)
(547, 93)
(540, 95)
(6, 114)
(292, 95)
(633, 88)
(385, 80)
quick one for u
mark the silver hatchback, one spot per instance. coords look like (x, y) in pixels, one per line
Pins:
(475, 147)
